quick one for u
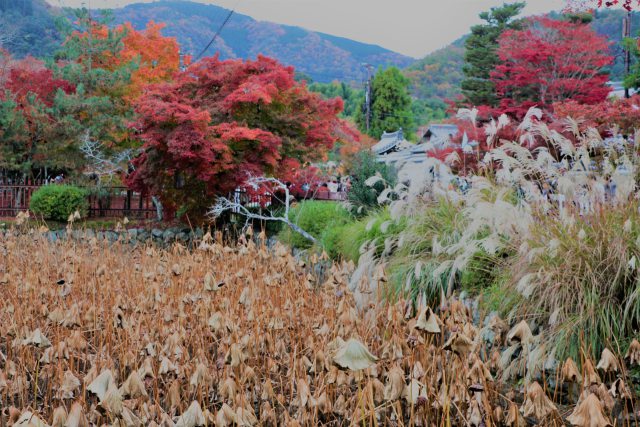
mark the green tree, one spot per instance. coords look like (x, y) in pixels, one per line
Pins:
(362, 197)
(91, 59)
(13, 138)
(391, 105)
(430, 110)
(632, 80)
(352, 98)
(481, 56)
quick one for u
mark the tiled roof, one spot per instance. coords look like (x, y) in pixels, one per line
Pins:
(388, 142)
(442, 130)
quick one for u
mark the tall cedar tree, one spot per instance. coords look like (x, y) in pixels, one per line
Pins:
(550, 61)
(390, 105)
(219, 121)
(481, 56)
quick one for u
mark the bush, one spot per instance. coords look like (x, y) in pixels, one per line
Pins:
(346, 240)
(443, 220)
(58, 202)
(363, 197)
(582, 279)
(314, 217)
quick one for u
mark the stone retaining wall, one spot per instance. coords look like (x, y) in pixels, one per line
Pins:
(131, 235)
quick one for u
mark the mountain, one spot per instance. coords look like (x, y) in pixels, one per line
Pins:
(28, 27)
(438, 75)
(323, 57)
(609, 24)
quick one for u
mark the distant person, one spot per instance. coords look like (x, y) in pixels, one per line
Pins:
(59, 179)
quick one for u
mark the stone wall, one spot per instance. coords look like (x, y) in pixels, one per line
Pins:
(131, 235)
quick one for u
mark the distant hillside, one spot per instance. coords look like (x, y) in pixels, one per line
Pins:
(438, 75)
(27, 27)
(321, 56)
(609, 24)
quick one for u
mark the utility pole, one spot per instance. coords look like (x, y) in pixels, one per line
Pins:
(182, 55)
(90, 30)
(367, 95)
(626, 33)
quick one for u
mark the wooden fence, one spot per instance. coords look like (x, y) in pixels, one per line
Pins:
(118, 202)
(111, 202)
(268, 200)
(340, 196)
(115, 202)
(15, 198)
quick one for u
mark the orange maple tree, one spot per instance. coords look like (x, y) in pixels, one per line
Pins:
(154, 57)
(158, 57)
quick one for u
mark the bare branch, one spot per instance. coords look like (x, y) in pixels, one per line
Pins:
(101, 165)
(223, 205)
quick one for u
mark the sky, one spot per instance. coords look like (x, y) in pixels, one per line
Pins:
(412, 27)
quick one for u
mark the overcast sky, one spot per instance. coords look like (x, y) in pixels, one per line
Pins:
(412, 27)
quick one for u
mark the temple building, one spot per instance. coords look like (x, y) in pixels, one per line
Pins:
(394, 148)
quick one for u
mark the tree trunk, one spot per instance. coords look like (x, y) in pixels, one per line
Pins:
(300, 231)
(158, 205)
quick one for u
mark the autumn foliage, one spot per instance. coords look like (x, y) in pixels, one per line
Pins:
(200, 132)
(582, 4)
(152, 57)
(213, 125)
(551, 61)
(30, 78)
(48, 109)
(622, 114)
(27, 93)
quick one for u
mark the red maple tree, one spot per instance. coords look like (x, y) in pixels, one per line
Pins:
(550, 61)
(221, 121)
(624, 114)
(30, 77)
(590, 4)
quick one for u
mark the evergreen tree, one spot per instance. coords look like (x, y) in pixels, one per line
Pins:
(352, 98)
(391, 105)
(481, 56)
(363, 197)
(632, 80)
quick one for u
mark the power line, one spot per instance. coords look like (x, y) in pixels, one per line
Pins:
(215, 36)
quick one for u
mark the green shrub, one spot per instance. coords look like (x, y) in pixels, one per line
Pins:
(331, 240)
(314, 217)
(581, 279)
(363, 197)
(58, 202)
(346, 240)
(442, 219)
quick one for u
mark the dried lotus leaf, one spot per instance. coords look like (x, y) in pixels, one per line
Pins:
(354, 356)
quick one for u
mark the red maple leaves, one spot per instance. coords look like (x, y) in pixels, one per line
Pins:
(590, 4)
(221, 121)
(29, 77)
(550, 61)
